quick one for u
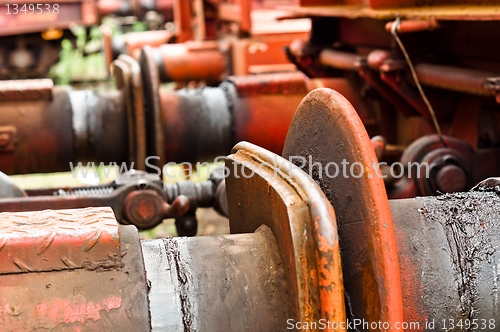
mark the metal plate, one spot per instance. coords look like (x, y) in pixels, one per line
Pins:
(264, 189)
(58, 240)
(326, 129)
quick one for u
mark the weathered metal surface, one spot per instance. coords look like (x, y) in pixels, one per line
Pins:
(443, 164)
(198, 284)
(134, 41)
(238, 11)
(165, 304)
(461, 11)
(46, 136)
(138, 202)
(130, 43)
(264, 189)
(457, 79)
(259, 55)
(279, 83)
(407, 26)
(129, 124)
(128, 77)
(155, 143)
(191, 61)
(254, 108)
(263, 106)
(448, 254)
(98, 125)
(50, 120)
(106, 35)
(8, 138)
(57, 240)
(195, 124)
(218, 283)
(182, 19)
(340, 60)
(26, 89)
(147, 209)
(327, 129)
(398, 82)
(92, 298)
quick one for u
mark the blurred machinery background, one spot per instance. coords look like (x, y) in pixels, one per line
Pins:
(377, 82)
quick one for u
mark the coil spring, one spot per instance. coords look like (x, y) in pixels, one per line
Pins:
(85, 192)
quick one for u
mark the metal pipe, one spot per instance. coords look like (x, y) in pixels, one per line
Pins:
(202, 124)
(340, 59)
(448, 249)
(73, 126)
(196, 124)
(454, 78)
(191, 61)
(406, 26)
(223, 289)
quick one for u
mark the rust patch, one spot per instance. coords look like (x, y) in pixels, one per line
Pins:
(56, 240)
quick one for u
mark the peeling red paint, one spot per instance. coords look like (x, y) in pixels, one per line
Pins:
(75, 310)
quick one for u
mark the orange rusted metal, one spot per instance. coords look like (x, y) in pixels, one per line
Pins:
(263, 53)
(238, 11)
(392, 9)
(281, 262)
(201, 124)
(183, 21)
(106, 33)
(128, 78)
(191, 61)
(57, 240)
(26, 89)
(282, 197)
(130, 43)
(102, 285)
(413, 26)
(264, 107)
(134, 41)
(326, 128)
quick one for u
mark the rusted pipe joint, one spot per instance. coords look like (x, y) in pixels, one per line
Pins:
(408, 26)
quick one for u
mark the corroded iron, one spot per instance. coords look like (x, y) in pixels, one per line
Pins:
(58, 240)
(285, 199)
(426, 263)
(281, 263)
(102, 286)
(326, 128)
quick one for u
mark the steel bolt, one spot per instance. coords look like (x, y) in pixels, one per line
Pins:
(145, 208)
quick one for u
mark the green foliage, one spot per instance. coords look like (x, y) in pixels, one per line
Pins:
(79, 60)
(139, 26)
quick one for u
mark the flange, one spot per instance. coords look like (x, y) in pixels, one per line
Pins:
(326, 131)
(265, 189)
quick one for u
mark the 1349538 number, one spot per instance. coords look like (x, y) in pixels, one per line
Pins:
(32, 8)
(474, 324)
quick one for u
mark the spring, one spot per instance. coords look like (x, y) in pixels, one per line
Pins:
(85, 191)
